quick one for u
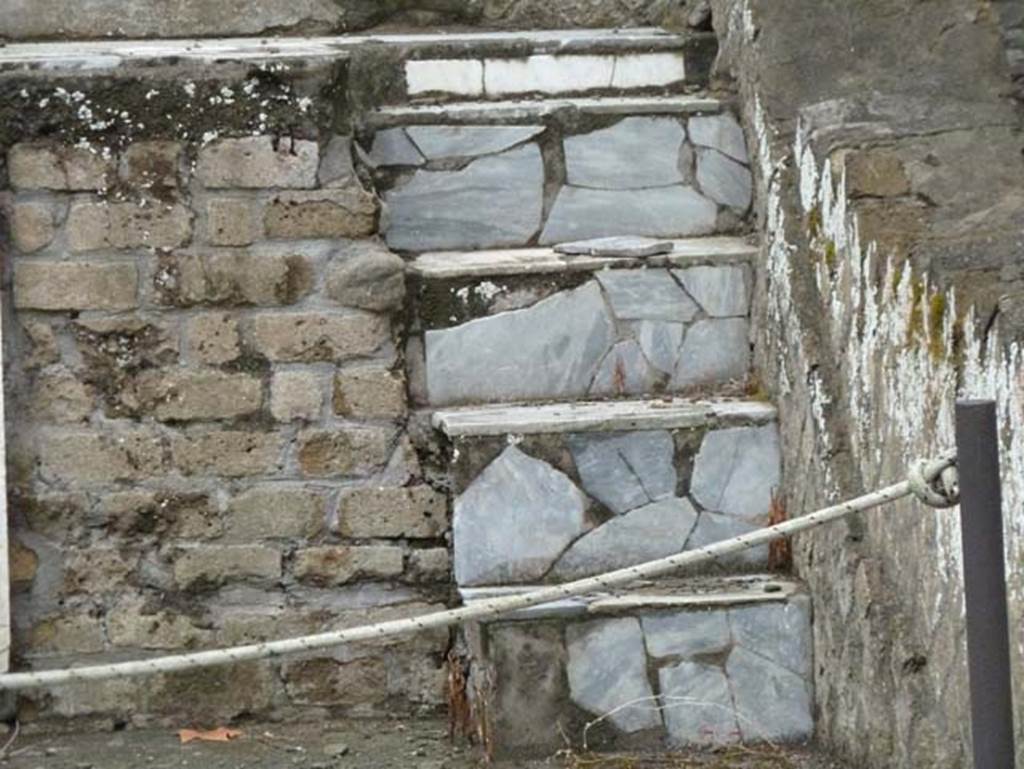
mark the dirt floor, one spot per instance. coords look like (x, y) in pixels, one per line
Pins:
(343, 745)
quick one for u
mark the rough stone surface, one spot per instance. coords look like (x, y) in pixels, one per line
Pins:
(213, 565)
(414, 512)
(198, 395)
(737, 470)
(296, 395)
(629, 155)
(665, 212)
(714, 351)
(337, 565)
(644, 534)
(607, 669)
(719, 132)
(455, 209)
(236, 278)
(52, 167)
(552, 349)
(343, 452)
(331, 213)
(32, 226)
(213, 338)
(455, 141)
(698, 705)
(149, 223)
(231, 222)
(258, 162)
(48, 285)
(722, 292)
(647, 295)
(306, 338)
(514, 520)
(229, 453)
(724, 180)
(366, 275)
(274, 512)
(369, 392)
(625, 470)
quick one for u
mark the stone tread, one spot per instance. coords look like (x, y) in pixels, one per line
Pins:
(108, 54)
(593, 416)
(670, 593)
(483, 112)
(688, 252)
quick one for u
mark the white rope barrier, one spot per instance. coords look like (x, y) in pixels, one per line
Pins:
(932, 482)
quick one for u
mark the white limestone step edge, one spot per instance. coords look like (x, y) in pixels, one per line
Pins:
(526, 109)
(591, 416)
(687, 252)
(107, 54)
(691, 594)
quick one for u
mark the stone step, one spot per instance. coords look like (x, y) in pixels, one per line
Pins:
(558, 492)
(516, 174)
(543, 326)
(673, 665)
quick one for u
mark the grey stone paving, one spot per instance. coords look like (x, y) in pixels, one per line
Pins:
(714, 527)
(644, 534)
(625, 470)
(629, 155)
(602, 687)
(494, 201)
(714, 351)
(553, 347)
(512, 522)
(664, 212)
(624, 370)
(719, 132)
(698, 705)
(724, 180)
(391, 147)
(452, 141)
(646, 295)
(721, 291)
(779, 632)
(736, 471)
(686, 634)
(772, 703)
(661, 343)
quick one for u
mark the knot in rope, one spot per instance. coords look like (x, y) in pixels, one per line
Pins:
(936, 484)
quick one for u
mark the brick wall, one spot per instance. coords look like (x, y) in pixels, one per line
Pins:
(207, 439)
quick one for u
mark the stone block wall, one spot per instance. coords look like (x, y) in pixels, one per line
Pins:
(207, 440)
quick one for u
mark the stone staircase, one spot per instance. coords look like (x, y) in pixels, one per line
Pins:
(592, 405)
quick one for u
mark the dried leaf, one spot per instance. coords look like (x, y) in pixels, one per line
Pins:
(221, 734)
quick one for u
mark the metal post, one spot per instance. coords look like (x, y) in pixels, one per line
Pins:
(988, 633)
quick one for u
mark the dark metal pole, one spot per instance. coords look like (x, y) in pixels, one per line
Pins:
(988, 632)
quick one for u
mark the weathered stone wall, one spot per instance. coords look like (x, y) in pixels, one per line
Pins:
(207, 437)
(889, 171)
(99, 19)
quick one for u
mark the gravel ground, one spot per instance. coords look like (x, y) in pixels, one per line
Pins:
(343, 745)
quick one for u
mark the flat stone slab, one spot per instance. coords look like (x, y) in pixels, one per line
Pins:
(629, 155)
(452, 141)
(625, 471)
(392, 147)
(698, 705)
(736, 471)
(663, 212)
(687, 634)
(714, 350)
(627, 246)
(514, 520)
(719, 132)
(714, 527)
(625, 369)
(772, 703)
(554, 346)
(660, 343)
(494, 201)
(607, 669)
(653, 531)
(721, 291)
(646, 295)
(724, 180)
(780, 633)
(597, 416)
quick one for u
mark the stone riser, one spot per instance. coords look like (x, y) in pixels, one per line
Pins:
(578, 333)
(671, 675)
(545, 177)
(565, 502)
